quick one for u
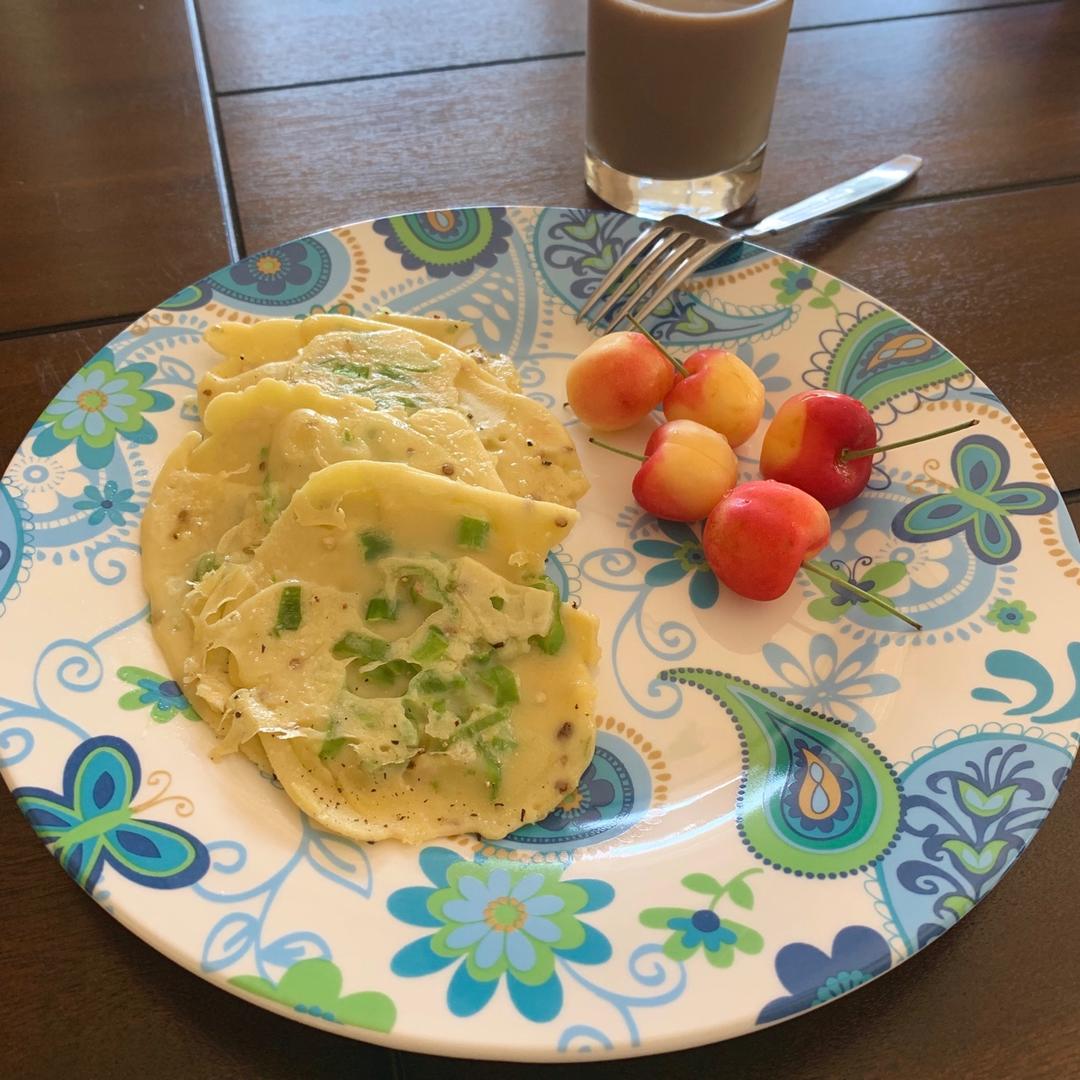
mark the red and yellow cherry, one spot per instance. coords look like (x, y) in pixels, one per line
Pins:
(806, 441)
(824, 442)
(719, 391)
(619, 379)
(760, 533)
(686, 469)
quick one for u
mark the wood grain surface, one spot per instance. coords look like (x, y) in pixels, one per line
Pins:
(259, 43)
(108, 200)
(308, 158)
(256, 44)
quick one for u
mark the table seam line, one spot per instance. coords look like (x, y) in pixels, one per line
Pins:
(69, 327)
(219, 153)
(915, 202)
(305, 84)
(861, 210)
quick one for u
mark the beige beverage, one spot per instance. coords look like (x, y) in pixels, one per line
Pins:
(680, 95)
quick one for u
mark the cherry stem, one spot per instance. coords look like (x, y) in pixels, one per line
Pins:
(851, 455)
(867, 597)
(676, 364)
(617, 449)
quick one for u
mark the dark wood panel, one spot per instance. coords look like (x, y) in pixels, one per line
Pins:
(34, 368)
(261, 43)
(319, 156)
(118, 1008)
(108, 201)
(989, 98)
(986, 277)
(807, 13)
(256, 43)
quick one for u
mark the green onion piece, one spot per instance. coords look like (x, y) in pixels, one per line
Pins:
(375, 544)
(477, 727)
(380, 609)
(472, 532)
(288, 612)
(207, 563)
(552, 641)
(432, 647)
(504, 684)
(349, 367)
(388, 371)
(361, 645)
(331, 747)
(497, 602)
(431, 682)
(391, 671)
(492, 768)
(346, 435)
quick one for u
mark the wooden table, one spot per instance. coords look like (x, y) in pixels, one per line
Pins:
(149, 141)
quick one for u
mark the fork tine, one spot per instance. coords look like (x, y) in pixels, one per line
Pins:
(643, 266)
(659, 265)
(678, 276)
(642, 241)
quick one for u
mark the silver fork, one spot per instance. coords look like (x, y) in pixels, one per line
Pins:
(670, 250)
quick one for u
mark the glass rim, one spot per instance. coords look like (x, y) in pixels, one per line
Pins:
(659, 6)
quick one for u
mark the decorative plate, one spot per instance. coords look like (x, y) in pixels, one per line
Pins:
(787, 799)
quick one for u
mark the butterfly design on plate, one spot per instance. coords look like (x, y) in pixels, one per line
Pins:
(980, 504)
(92, 822)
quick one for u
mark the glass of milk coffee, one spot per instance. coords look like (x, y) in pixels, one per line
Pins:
(679, 98)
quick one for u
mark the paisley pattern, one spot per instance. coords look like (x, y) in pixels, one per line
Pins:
(816, 798)
(447, 241)
(881, 356)
(940, 581)
(971, 805)
(16, 542)
(580, 246)
(721, 863)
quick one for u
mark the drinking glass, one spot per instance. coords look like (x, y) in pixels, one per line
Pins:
(679, 98)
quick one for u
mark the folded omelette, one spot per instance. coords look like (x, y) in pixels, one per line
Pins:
(346, 577)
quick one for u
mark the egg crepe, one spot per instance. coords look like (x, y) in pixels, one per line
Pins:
(394, 647)
(398, 370)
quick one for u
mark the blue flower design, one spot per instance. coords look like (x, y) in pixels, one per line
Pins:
(592, 794)
(495, 918)
(812, 977)
(99, 403)
(702, 927)
(162, 696)
(793, 279)
(774, 384)
(830, 683)
(271, 271)
(681, 556)
(112, 502)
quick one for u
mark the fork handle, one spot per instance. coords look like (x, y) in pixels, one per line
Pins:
(866, 185)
